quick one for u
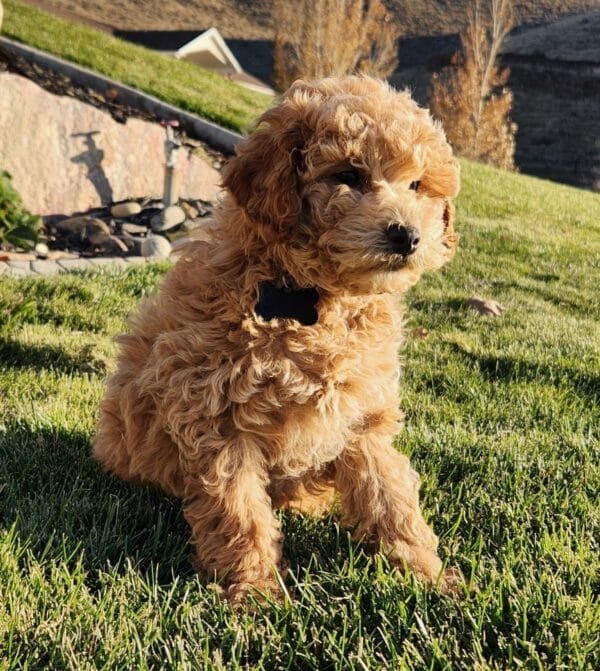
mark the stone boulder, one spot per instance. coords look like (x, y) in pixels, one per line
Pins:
(66, 156)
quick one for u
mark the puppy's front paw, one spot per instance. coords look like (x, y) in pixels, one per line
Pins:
(452, 583)
(427, 566)
(262, 591)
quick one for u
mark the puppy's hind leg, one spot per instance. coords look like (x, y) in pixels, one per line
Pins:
(234, 529)
(131, 443)
(380, 498)
(110, 444)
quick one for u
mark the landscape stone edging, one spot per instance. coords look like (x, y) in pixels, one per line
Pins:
(46, 267)
(196, 127)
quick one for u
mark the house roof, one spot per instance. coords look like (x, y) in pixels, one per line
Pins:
(208, 49)
(161, 40)
(211, 41)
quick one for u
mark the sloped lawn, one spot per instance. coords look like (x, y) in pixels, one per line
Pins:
(179, 83)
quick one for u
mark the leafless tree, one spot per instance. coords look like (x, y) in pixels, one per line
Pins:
(317, 38)
(471, 97)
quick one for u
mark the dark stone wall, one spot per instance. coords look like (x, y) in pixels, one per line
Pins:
(557, 108)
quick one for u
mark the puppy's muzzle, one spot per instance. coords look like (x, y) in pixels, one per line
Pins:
(402, 239)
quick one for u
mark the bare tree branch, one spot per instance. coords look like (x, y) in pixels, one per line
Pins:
(316, 38)
(470, 97)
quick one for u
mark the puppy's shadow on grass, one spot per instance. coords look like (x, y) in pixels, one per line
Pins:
(66, 508)
(557, 374)
(15, 354)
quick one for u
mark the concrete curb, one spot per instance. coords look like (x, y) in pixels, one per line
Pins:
(46, 268)
(196, 127)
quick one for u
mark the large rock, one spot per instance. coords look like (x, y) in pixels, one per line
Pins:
(90, 232)
(66, 156)
(555, 81)
(124, 210)
(84, 228)
(167, 219)
(156, 245)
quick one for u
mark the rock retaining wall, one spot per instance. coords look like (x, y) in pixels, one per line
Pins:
(65, 156)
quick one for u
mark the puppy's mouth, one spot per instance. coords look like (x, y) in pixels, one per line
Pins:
(393, 262)
(382, 259)
(397, 262)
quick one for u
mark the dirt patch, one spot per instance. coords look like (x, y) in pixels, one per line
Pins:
(250, 19)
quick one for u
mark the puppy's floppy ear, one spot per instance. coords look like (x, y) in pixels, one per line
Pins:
(263, 176)
(450, 236)
(444, 174)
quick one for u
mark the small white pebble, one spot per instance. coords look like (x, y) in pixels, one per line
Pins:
(41, 250)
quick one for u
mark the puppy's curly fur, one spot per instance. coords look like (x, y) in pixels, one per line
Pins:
(344, 186)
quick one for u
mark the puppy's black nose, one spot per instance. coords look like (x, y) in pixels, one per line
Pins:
(403, 239)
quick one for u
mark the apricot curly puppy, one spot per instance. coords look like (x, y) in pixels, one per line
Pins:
(264, 372)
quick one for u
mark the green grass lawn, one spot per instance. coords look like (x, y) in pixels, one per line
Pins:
(502, 422)
(177, 82)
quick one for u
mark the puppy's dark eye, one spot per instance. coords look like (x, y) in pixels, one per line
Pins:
(414, 186)
(351, 178)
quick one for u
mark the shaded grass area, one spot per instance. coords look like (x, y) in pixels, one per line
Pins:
(179, 83)
(502, 424)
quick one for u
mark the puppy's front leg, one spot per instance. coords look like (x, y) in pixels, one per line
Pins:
(235, 532)
(380, 497)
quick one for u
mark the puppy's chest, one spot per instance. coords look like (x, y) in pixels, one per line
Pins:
(347, 342)
(320, 381)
